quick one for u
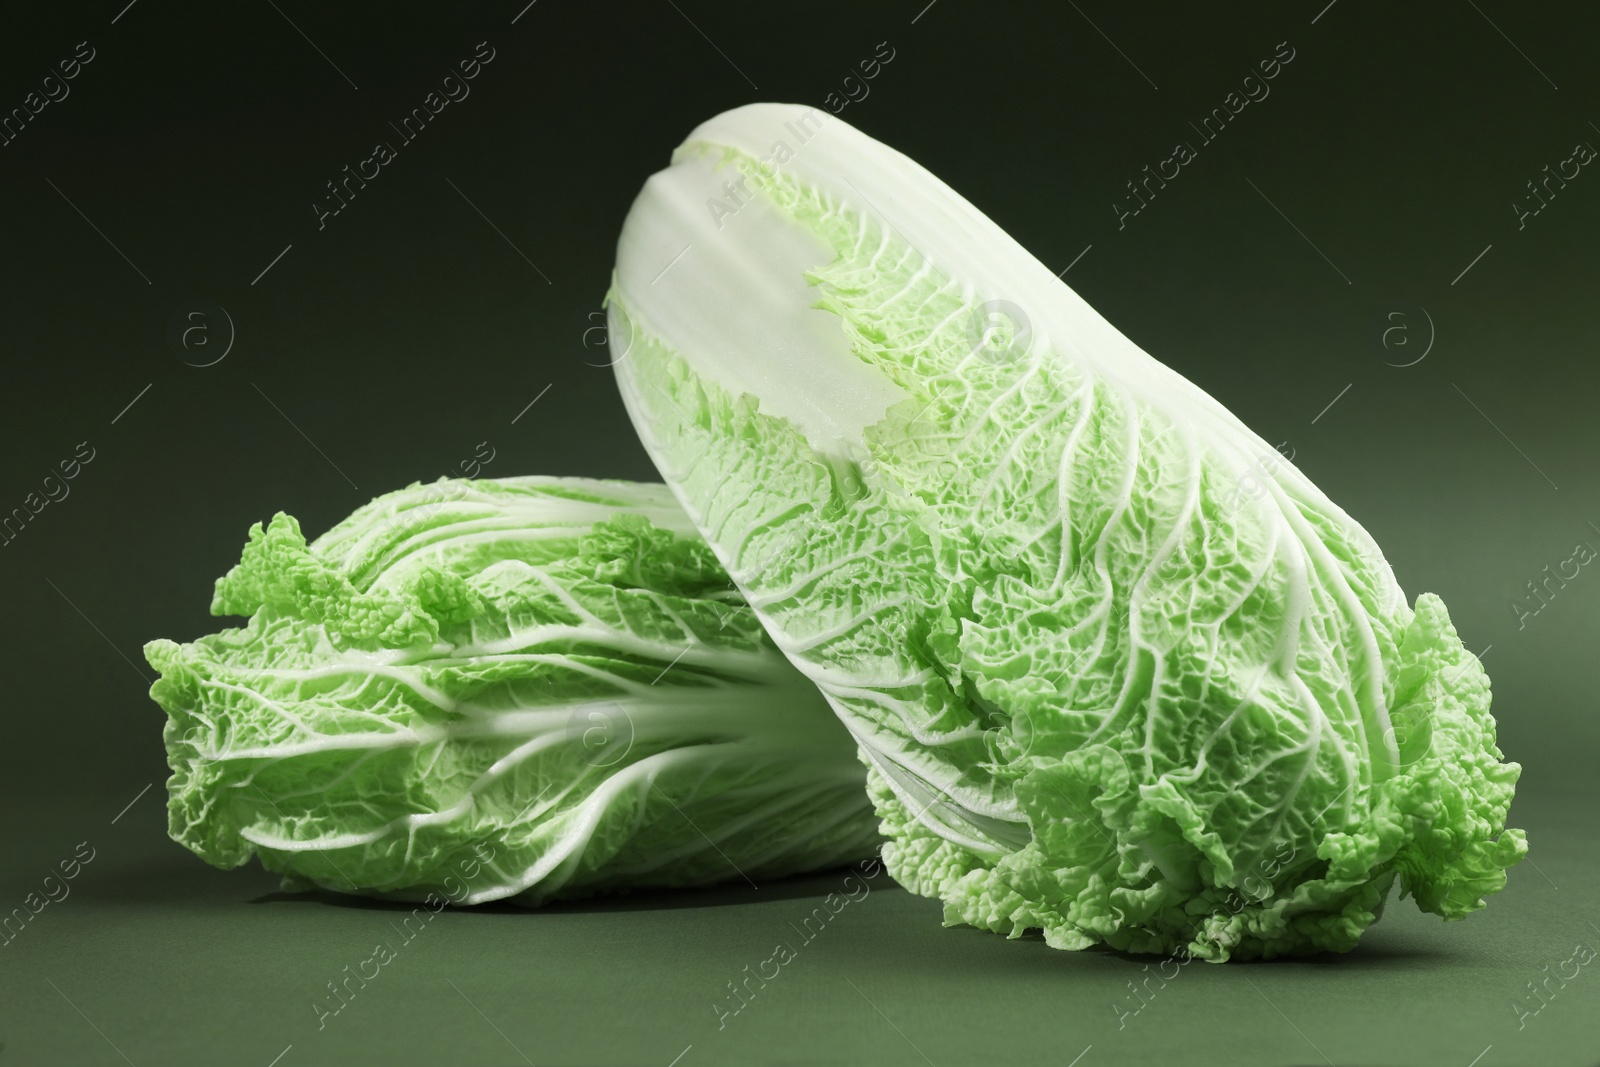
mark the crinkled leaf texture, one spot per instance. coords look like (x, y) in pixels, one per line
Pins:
(529, 688)
(1122, 673)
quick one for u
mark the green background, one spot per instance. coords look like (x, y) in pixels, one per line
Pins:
(459, 286)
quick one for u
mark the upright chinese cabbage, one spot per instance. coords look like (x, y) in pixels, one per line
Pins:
(528, 688)
(1122, 673)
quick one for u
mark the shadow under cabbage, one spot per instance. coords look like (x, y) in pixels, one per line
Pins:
(797, 887)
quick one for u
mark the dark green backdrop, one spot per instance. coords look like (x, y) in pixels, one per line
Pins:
(1362, 210)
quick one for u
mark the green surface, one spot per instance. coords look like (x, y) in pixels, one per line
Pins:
(175, 963)
(383, 348)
